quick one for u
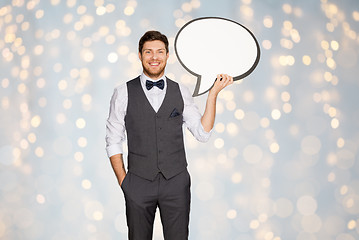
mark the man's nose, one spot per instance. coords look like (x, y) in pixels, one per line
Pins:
(154, 55)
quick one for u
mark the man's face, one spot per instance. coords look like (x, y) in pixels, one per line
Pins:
(154, 58)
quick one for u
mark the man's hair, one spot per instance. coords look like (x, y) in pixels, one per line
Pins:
(152, 36)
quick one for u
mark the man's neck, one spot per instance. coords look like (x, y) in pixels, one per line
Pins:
(155, 78)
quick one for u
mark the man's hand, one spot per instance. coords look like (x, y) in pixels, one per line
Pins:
(122, 178)
(118, 167)
(222, 81)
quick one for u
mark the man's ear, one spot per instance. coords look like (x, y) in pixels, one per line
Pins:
(140, 56)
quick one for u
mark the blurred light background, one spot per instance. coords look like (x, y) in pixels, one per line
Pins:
(282, 163)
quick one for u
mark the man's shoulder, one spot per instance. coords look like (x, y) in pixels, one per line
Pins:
(170, 80)
(180, 85)
(184, 90)
(132, 81)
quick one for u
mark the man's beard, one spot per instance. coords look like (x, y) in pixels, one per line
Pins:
(153, 74)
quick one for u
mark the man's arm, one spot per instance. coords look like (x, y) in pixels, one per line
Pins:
(207, 120)
(118, 167)
(115, 131)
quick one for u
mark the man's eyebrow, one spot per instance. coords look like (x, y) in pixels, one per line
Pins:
(151, 49)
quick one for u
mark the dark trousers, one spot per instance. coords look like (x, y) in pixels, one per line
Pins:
(172, 197)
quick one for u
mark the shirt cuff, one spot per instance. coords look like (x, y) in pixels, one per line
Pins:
(203, 135)
(114, 149)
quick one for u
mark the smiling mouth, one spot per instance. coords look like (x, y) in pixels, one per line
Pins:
(154, 64)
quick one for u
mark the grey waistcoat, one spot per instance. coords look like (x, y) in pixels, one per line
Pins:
(155, 140)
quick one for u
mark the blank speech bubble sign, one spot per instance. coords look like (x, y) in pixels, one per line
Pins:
(209, 46)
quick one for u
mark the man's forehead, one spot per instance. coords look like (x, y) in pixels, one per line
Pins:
(154, 44)
(154, 48)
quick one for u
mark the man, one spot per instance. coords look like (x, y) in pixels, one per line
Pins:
(151, 109)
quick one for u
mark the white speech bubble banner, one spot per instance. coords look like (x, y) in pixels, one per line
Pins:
(209, 46)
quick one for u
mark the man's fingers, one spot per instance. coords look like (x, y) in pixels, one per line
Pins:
(223, 81)
(230, 80)
(226, 79)
(222, 77)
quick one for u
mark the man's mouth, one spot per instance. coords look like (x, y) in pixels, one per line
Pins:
(155, 64)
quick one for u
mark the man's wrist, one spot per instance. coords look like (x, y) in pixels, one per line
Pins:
(212, 94)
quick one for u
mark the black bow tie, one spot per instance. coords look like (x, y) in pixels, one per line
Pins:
(160, 84)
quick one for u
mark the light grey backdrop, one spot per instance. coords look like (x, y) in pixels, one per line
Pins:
(282, 162)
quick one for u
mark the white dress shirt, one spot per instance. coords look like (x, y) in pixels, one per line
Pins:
(115, 127)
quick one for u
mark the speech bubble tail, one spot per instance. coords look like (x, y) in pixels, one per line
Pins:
(202, 87)
(196, 89)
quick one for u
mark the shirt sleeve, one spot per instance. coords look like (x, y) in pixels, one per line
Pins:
(192, 116)
(115, 126)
